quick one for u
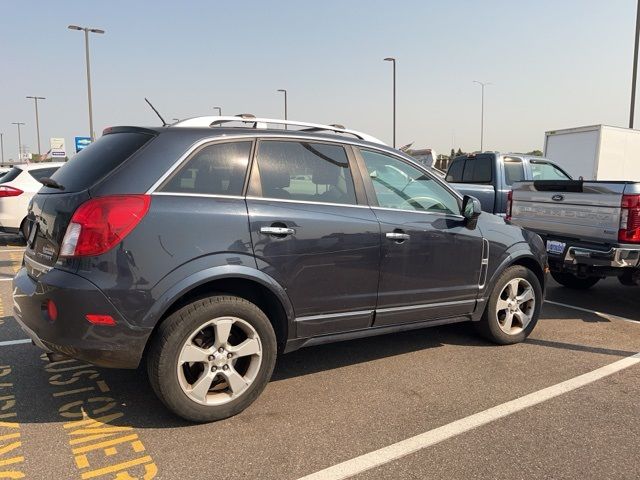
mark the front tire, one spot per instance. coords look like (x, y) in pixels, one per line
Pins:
(513, 307)
(212, 358)
(570, 280)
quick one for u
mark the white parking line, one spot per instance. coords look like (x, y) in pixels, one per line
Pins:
(15, 342)
(606, 316)
(5, 279)
(432, 437)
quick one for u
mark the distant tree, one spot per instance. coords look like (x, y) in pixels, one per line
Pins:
(535, 153)
(453, 154)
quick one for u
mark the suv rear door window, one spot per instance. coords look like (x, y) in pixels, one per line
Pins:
(305, 171)
(217, 169)
(97, 160)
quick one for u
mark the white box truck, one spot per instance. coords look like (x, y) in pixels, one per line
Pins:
(598, 152)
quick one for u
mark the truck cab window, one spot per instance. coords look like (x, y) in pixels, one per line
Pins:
(513, 170)
(547, 171)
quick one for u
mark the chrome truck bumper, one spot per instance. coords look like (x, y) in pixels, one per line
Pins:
(617, 257)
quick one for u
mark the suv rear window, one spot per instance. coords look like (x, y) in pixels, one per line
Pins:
(94, 162)
(11, 175)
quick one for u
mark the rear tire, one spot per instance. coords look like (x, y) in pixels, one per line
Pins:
(513, 307)
(212, 358)
(570, 280)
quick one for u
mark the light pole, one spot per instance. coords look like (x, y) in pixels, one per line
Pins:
(482, 84)
(635, 67)
(2, 146)
(17, 124)
(391, 59)
(219, 110)
(35, 100)
(86, 48)
(285, 105)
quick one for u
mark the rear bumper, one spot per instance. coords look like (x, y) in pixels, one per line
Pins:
(616, 257)
(118, 346)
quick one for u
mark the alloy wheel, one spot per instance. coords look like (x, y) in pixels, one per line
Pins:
(516, 306)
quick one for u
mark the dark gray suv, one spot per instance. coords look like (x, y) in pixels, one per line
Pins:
(209, 246)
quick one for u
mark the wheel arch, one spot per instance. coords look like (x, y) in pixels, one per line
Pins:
(250, 284)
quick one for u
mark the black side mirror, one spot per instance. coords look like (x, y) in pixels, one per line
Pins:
(471, 210)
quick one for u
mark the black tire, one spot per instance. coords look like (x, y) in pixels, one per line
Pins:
(570, 280)
(489, 327)
(173, 332)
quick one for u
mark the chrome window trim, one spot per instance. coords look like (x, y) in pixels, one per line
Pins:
(202, 195)
(456, 216)
(304, 202)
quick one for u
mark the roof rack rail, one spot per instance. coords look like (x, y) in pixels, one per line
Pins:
(262, 123)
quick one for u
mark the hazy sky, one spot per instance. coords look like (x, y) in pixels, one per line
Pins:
(553, 64)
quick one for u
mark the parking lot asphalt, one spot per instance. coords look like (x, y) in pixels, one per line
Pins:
(335, 403)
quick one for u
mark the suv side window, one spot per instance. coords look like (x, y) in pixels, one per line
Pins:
(513, 170)
(305, 171)
(399, 185)
(217, 169)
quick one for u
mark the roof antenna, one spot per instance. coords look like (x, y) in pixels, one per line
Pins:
(164, 124)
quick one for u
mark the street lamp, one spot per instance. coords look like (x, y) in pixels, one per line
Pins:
(219, 110)
(285, 105)
(19, 140)
(86, 47)
(393, 60)
(482, 114)
(635, 67)
(35, 100)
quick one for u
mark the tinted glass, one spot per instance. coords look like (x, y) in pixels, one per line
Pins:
(455, 171)
(399, 185)
(42, 172)
(513, 170)
(11, 175)
(311, 172)
(214, 170)
(97, 160)
(547, 171)
(478, 170)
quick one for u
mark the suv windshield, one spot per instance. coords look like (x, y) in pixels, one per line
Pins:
(97, 160)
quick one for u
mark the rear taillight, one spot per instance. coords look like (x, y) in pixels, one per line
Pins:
(6, 191)
(101, 223)
(630, 219)
(509, 204)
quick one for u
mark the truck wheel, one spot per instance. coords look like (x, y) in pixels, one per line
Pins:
(212, 358)
(572, 281)
(630, 277)
(513, 307)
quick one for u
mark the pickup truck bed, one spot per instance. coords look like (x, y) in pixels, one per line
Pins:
(592, 229)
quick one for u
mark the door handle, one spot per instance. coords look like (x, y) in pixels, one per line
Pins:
(398, 236)
(284, 231)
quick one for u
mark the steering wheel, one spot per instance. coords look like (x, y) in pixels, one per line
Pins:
(422, 202)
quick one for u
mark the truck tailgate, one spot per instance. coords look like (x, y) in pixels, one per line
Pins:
(576, 209)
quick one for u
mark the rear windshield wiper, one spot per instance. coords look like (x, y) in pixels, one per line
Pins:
(51, 183)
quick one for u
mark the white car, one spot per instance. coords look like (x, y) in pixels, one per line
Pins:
(17, 188)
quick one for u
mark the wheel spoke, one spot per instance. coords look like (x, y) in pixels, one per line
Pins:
(201, 387)
(191, 353)
(502, 305)
(525, 296)
(250, 346)
(222, 328)
(513, 288)
(236, 382)
(523, 318)
(508, 320)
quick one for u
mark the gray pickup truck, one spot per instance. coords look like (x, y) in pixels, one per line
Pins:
(591, 228)
(489, 176)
